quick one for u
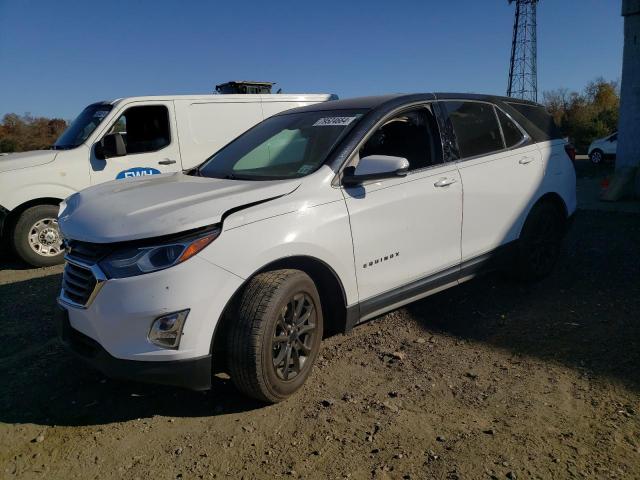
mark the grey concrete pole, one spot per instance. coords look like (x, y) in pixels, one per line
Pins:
(626, 180)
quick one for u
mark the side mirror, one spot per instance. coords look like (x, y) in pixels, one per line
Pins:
(111, 145)
(375, 167)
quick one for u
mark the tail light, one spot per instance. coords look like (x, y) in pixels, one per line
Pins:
(571, 151)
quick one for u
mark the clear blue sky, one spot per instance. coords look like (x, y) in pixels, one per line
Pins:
(56, 56)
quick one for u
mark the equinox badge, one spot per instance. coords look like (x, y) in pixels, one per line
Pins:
(380, 260)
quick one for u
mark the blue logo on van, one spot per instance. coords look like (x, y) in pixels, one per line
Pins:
(137, 172)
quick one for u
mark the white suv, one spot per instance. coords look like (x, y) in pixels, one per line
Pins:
(311, 222)
(603, 149)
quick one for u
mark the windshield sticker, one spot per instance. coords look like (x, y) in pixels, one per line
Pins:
(137, 172)
(304, 169)
(100, 114)
(334, 121)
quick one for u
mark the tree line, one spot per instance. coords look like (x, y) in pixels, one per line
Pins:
(582, 116)
(20, 133)
(587, 115)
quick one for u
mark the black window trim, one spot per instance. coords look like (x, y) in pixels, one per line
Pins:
(133, 105)
(526, 138)
(394, 113)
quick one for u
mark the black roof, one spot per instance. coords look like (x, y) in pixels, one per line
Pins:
(356, 103)
(397, 99)
(480, 96)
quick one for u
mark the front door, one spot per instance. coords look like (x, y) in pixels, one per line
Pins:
(148, 133)
(405, 230)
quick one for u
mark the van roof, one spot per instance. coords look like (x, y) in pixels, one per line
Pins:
(274, 97)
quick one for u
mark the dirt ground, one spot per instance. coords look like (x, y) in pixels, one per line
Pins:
(488, 380)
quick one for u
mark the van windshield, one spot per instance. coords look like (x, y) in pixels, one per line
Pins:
(285, 146)
(82, 126)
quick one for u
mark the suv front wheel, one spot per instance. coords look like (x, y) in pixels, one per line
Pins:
(275, 334)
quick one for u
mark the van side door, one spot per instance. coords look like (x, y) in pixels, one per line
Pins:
(501, 171)
(147, 132)
(405, 230)
(205, 126)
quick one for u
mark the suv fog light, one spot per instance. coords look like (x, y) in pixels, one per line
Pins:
(166, 330)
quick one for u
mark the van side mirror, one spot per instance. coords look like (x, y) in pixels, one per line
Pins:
(375, 167)
(111, 145)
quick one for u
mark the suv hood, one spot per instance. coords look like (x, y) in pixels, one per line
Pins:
(15, 161)
(153, 206)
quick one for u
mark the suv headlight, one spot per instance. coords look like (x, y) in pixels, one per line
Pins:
(132, 261)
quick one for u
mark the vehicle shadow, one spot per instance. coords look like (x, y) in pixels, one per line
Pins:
(584, 316)
(44, 384)
(11, 262)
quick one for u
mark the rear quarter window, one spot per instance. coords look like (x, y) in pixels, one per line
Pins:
(539, 117)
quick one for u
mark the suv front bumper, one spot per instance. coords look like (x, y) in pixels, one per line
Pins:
(192, 373)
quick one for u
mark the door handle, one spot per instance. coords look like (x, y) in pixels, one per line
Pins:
(525, 160)
(166, 161)
(444, 182)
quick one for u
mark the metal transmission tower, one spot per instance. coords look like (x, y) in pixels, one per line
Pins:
(523, 70)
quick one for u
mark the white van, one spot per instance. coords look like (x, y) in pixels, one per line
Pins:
(126, 137)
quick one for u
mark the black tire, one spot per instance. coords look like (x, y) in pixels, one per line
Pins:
(597, 157)
(257, 334)
(22, 232)
(540, 242)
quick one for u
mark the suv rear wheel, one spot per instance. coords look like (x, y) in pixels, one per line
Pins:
(275, 336)
(36, 237)
(540, 243)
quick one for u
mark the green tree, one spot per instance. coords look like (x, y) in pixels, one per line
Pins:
(588, 115)
(22, 133)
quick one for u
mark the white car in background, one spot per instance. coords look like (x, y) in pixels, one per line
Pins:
(603, 148)
(122, 138)
(314, 220)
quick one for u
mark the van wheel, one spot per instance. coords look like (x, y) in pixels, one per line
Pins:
(275, 336)
(540, 242)
(36, 237)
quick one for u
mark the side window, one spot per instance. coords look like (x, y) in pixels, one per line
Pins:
(613, 138)
(144, 129)
(512, 134)
(412, 135)
(538, 116)
(476, 127)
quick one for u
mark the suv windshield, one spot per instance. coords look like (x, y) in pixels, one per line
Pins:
(82, 126)
(285, 146)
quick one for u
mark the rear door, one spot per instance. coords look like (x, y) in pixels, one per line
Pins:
(501, 171)
(405, 230)
(149, 134)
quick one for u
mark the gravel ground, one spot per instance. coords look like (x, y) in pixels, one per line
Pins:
(488, 380)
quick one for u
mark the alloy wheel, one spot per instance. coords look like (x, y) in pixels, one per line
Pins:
(293, 337)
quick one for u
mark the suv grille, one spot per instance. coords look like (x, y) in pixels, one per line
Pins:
(88, 253)
(78, 283)
(81, 277)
